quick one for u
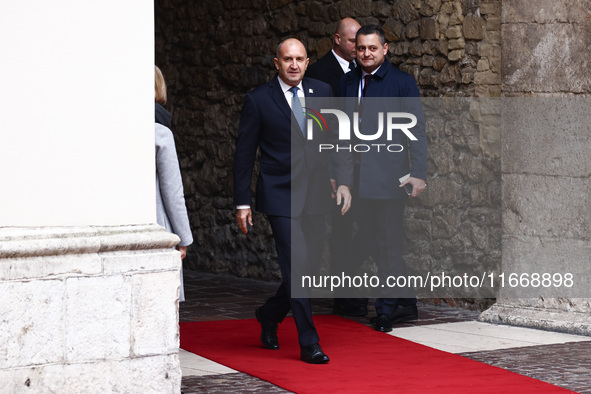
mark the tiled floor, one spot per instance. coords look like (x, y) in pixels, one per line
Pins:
(560, 359)
(473, 336)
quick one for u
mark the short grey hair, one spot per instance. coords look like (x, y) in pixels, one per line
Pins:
(285, 39)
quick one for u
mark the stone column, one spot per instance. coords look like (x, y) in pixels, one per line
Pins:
(89, 309)
(546, 160)
(88, 283)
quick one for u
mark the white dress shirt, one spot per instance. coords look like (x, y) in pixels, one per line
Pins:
(342, 62)
(289, 95)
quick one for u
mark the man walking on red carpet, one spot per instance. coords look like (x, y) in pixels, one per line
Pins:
(293, 187)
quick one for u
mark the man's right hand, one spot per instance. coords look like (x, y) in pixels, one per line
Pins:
(244, 219)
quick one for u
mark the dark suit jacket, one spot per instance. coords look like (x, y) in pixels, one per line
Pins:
(326, 69)
(292, 172)
(379, 172)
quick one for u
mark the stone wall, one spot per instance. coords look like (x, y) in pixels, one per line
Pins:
(214, 52)
(89, 309)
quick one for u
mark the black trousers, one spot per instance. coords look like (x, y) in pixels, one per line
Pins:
(346, 256)
(381, 232)
(299, 243)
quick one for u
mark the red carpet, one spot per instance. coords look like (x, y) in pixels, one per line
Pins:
(362, 360)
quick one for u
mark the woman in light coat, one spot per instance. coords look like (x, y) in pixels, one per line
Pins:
(171, 211)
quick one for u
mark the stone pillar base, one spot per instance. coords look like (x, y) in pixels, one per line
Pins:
(571, 316)
(89, 309)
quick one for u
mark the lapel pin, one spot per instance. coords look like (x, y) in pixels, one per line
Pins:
(311, 91)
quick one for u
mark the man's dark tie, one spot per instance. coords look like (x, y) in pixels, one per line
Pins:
(351, 66)
(298, 111)
(365, 82)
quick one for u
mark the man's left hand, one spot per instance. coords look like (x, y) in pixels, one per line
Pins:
(418, 185)
(344, 198)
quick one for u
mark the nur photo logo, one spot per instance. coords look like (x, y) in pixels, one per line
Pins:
(387, 122)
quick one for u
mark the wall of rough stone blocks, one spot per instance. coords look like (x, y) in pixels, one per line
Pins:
(214, 52)
(91, 309)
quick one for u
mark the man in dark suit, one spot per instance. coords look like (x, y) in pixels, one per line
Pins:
(340, 59)
(293, 187)
(330, 69)
(382, 197)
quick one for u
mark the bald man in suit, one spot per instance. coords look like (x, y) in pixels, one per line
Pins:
(340, 59)
(330, 69)
(293, 187)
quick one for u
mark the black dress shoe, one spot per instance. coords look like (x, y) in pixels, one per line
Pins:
(403, 313)
(313, 354)
(383, 323)
(268, 332)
